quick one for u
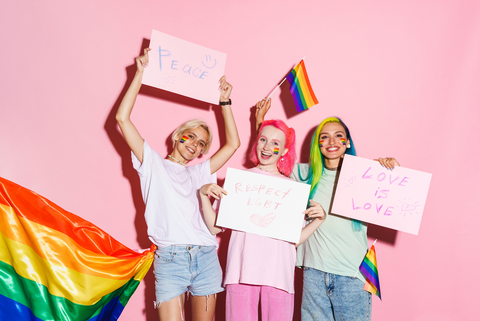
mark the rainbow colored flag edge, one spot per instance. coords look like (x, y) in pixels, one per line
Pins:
(55, 265)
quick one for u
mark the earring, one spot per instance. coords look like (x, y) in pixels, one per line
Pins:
(281, 159)
(348, 146)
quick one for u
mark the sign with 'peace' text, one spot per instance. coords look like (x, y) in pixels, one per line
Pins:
(266, 205)
(370, 193)
(184, 68)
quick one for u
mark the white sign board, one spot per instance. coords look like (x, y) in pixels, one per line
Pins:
(184, 68)
(263, 204)
(370, 193)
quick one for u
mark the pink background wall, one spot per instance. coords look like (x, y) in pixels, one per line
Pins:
(404, 75)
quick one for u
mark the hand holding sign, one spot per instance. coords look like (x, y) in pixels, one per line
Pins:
(142, 61)
(265, 205)
(315, 211)
(225, 89)
(388, 162)
(213, 190)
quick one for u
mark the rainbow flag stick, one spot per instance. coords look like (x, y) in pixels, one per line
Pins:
(278, 86)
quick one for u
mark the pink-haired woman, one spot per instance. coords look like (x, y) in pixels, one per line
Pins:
(259, 268)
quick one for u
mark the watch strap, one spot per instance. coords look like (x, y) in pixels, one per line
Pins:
(224, 103)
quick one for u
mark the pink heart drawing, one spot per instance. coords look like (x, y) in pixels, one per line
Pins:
(262, 221)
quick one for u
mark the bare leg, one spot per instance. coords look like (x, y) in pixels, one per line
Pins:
(172, 310)
(203, 308)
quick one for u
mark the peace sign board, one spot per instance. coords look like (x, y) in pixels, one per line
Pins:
(184, 68)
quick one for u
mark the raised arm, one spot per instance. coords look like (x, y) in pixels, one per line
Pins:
(318, 214)
(233, 141)
(131, 134)
(262, 108)
(208, 212)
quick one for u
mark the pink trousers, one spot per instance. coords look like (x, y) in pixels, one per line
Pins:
(243, 299)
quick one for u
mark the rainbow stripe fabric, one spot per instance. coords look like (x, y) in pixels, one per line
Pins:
(300, 87)
(370, 270)
(56, 266)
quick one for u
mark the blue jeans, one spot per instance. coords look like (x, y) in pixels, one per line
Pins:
(333, 297)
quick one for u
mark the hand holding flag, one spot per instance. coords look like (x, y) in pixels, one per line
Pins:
(370, 270)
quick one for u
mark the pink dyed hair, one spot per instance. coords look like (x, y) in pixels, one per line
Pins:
(289, 158)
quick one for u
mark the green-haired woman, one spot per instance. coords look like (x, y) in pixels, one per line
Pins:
(330, 258)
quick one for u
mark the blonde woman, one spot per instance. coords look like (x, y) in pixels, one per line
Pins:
(186, 259)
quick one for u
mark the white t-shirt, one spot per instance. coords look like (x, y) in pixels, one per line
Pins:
(170, 193)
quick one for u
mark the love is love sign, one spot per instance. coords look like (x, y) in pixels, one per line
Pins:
(184, 68)
(263, 204)
(370, 193)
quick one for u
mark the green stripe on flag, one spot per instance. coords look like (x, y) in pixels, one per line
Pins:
(50, 307)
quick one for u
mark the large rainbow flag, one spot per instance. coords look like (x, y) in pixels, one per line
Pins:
(301, 88)
(370, 270)
(56, 266)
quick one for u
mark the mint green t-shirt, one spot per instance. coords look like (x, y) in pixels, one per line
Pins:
(334, 247)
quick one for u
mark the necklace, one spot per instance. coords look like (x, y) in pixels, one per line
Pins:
(170, 156)
(266, 170)
(331, 168)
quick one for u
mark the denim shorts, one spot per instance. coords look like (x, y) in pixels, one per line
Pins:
(182, 268)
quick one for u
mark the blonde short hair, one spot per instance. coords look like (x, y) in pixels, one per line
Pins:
(192, 124)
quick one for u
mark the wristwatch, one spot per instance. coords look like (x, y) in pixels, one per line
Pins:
(224, 103)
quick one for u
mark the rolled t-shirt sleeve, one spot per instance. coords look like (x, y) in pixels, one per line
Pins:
(144, 169)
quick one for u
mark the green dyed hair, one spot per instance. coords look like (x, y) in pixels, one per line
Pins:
(317, 161)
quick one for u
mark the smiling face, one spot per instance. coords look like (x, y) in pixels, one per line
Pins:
(333, 143)
(270, 147)
(190, 144)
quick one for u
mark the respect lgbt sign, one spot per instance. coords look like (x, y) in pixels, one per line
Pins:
(370, 193)
(184, 68)
(263, 204)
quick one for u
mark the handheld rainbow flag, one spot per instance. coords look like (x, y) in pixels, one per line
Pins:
(370, 270)
(56, 266)
(300, 87)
